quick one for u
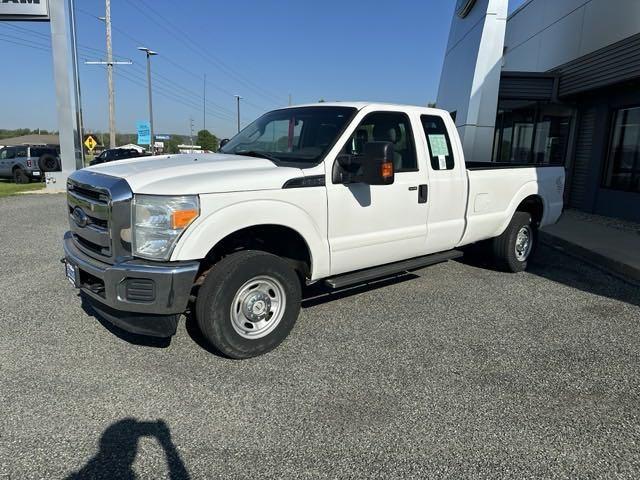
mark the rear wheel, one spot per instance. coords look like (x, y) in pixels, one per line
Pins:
(515, 246)
(20, 176)
(248, 303)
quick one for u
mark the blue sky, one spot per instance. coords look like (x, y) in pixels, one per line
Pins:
(262, 50)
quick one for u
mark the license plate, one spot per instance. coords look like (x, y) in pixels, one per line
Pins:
(72, 274)
(36, 174)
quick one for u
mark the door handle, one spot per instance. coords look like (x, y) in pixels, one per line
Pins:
(423, 193)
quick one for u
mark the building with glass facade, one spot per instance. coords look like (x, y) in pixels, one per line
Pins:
(569, 94)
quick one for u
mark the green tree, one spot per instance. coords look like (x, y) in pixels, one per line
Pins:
(171, 146)
(207, 140)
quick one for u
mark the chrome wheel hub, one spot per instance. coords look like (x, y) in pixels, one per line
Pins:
(257, 307)
(524, 243)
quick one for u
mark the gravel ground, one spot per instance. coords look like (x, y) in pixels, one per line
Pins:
(455, 372)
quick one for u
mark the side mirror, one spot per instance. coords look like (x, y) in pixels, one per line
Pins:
(223, 142)
(377, 164)
(345, 169)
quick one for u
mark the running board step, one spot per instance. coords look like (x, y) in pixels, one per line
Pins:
(374, 273)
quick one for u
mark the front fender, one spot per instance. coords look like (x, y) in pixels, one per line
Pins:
(210, 229)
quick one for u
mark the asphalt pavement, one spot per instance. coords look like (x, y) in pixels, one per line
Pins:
(457, 371)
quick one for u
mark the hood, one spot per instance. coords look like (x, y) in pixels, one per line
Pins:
(191, 174)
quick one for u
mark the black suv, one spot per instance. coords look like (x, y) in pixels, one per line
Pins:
(116, 154)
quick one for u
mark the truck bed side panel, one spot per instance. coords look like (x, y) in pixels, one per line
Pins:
(496, 193)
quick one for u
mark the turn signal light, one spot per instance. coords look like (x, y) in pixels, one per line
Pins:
(386, 170)
(182, 218)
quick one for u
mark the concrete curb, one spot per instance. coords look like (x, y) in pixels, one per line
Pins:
(614, 267)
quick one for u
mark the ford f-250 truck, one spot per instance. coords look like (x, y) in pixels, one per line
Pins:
(341, 193)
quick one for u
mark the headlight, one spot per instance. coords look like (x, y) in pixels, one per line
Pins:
(158, 221)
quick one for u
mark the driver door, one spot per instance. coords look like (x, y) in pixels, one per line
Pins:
(373, 225)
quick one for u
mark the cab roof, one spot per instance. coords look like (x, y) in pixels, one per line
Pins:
(374, 105)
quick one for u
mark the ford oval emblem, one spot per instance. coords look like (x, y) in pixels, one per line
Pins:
(80, 217)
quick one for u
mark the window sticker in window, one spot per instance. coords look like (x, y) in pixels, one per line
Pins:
(439, 149)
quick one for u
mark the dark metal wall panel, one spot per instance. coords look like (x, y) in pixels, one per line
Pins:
(616, 63)
(578, 195)
(523, 87)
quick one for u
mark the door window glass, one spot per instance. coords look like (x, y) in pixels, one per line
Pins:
(623, 162)
(391, 127)
(438, 142)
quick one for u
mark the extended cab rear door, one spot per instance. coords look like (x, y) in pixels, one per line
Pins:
(448, 182)
(372, 225)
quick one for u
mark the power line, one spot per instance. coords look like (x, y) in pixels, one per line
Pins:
(170, 94)
(176, 88)
(216, 60)
(182, 37)
(118, 58)
(46, 37)
(183, 69)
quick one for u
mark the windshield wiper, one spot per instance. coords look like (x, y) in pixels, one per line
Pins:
(256, 153)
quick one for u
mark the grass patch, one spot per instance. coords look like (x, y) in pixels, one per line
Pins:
(7, 187)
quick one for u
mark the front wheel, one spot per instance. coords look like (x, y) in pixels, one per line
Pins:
(248, 303)
(517, 243)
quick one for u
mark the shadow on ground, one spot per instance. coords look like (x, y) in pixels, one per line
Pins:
(119, 447)
(311, 296)
(142, 340)
(557, 266)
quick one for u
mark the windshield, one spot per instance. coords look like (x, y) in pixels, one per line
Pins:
(300, 135)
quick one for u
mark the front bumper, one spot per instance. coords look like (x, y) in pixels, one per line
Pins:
(139, 296)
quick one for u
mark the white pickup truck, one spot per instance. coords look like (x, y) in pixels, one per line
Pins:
(341, 193)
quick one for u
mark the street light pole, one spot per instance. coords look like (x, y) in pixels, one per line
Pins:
(150, 53)
(238, 98)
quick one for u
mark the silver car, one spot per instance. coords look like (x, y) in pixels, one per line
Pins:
(26, 163)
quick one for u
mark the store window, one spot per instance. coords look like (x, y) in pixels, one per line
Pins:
(535, 133)
(623, 162)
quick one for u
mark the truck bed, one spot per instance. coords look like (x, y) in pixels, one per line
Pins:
(496, 189)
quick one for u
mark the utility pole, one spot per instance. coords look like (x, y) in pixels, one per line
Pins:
(76, 79)
(204, 103)
(150, 53)
(110, 63)
(112, 105)
(191, 132)
(238, 98)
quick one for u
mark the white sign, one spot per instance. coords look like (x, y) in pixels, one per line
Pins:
(438, 144)
(24, 10)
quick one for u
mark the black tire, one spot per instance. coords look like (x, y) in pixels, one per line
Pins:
(20, 176)
(227, 279)
(48, 163)
(507, 256)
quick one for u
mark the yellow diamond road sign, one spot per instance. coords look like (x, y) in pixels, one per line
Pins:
(90, 142)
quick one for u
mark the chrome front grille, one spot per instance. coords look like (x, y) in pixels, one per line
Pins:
(99, 208)
(89, 218)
